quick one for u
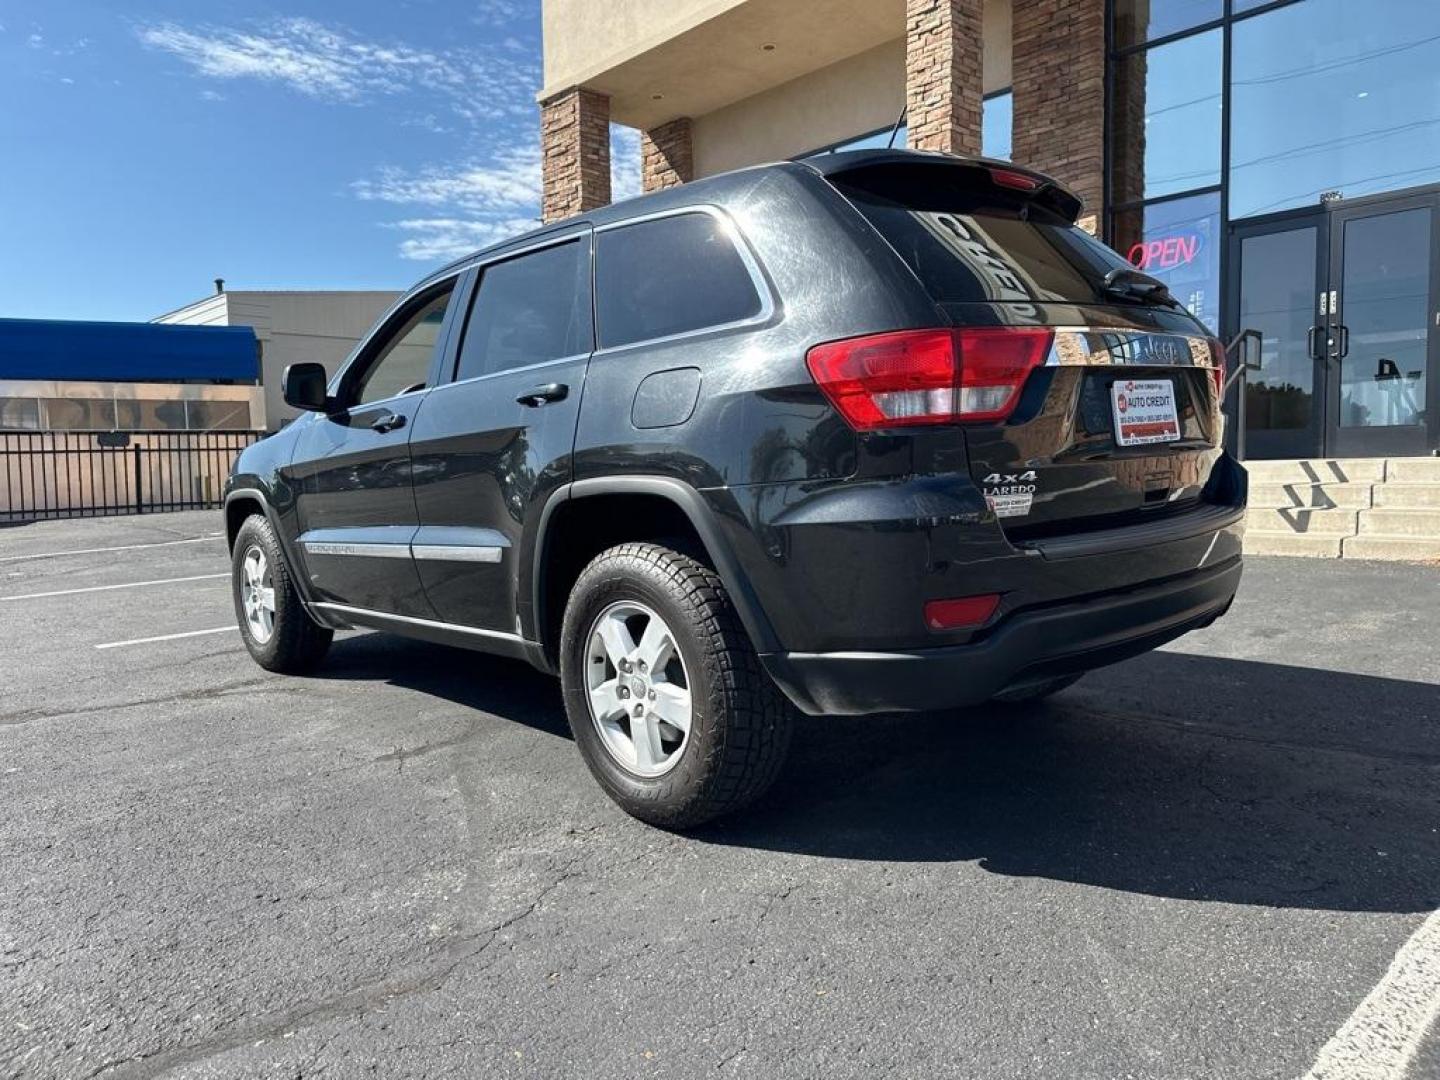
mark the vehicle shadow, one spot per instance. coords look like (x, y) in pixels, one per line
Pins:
(511, 689)
(1171, 775)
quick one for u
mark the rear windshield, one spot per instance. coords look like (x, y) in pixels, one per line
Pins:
(969, 246)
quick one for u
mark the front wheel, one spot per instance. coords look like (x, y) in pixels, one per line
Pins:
(278, 631)
(666, 698)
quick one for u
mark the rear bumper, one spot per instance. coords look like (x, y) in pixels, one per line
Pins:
(1031, 644)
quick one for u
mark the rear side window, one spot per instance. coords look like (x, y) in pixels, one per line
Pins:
(669, 276)
(972, 246)
(528, 310)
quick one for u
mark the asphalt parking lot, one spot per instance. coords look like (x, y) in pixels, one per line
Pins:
(1219, 860)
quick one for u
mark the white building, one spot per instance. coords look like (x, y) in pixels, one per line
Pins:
(321, 327)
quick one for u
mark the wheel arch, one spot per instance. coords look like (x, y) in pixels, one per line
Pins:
(244, 502)
(673, 510)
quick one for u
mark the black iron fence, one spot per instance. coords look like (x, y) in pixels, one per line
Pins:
(61, 474)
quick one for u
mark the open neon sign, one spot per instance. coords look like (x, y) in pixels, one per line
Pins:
(1165, 252)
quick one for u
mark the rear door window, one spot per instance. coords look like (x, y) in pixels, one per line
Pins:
(668, 276)
(969, 246)
(528, 310)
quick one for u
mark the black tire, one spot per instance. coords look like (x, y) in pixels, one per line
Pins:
(1038, 691)
(740, 723)
(297, 643)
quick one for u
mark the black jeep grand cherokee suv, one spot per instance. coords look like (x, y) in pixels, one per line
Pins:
(880, 431)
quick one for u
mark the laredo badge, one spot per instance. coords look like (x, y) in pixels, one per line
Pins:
(1010, 494)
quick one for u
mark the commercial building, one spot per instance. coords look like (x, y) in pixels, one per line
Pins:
(99, 376)
(1276, 163)
(321, 327)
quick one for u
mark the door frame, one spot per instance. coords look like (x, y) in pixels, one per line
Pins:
(1407, 441)
(1324, 438)
(1304, 442)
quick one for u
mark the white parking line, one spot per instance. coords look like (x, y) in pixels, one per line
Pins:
(108, 588)
(1382, 1036)
(166, 637)
(102, 550)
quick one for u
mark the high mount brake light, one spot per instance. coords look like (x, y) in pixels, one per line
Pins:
(1017, 180)
(928, 376)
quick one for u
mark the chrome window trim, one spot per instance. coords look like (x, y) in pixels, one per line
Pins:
(737, 240)
(572, 358)
(434, 624)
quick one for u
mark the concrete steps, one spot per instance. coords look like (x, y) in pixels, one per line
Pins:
(1356, 508)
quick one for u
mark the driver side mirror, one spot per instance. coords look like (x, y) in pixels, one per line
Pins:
(304, 387)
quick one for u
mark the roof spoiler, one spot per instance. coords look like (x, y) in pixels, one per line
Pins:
(1049, 192)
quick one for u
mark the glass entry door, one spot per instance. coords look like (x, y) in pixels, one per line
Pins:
(1382, 325)
(1347, 302)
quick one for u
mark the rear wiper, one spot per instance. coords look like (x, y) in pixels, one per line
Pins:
(1136, 285)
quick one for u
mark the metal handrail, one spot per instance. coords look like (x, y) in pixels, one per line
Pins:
(1242, 367)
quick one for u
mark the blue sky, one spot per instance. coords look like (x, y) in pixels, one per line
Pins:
(302, 144)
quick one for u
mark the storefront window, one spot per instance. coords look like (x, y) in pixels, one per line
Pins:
(996, 125)
(19, 414)
(1333, 95)
(79, 414)
(1166, 118)
(1139, 21)
(1178, 241)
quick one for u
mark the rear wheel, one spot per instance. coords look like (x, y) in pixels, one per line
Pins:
(1037, 691)
(278, 631)
(666, 698)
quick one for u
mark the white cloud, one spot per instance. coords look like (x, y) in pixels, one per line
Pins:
(510, 182)
(624, 162)
(332, 64)
(437, 239)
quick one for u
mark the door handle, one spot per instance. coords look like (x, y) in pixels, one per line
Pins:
(546, 392)
(1310, 336)
(387, 422)
(1344, 348)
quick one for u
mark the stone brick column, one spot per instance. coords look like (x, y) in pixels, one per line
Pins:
(1059, 82)
(575, 153)
(943, 86)
(667, 155)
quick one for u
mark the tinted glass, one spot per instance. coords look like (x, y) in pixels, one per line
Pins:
(141, 415)
(1277, 297)
(79, 414)
(528, 310)
(966, 247)
(217, 415)
(1385, 286)
(19, 414)
(1178, 241)
(997, 119)
(1333, 95)
(1165, 119)
(669, 276)
(403, 362)
(1138, 21)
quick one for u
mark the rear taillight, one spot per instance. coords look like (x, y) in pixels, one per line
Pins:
(928, 376)
(1217, 357)
(961, 613)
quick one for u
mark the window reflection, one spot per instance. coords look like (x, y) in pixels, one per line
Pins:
(1277, 297)
(1138, 21)
(1178, 241)
(1165, 120)
(1333, 95)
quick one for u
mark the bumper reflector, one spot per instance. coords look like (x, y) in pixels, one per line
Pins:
(961, 613)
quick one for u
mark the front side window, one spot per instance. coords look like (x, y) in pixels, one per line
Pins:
(669, 276)
(401, 360)
(528, 310)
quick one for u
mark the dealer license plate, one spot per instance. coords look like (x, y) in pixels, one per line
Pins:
(1144, 411)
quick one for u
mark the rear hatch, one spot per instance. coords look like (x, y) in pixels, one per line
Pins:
(1114, 416)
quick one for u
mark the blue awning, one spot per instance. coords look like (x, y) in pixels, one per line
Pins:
(127, 352)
